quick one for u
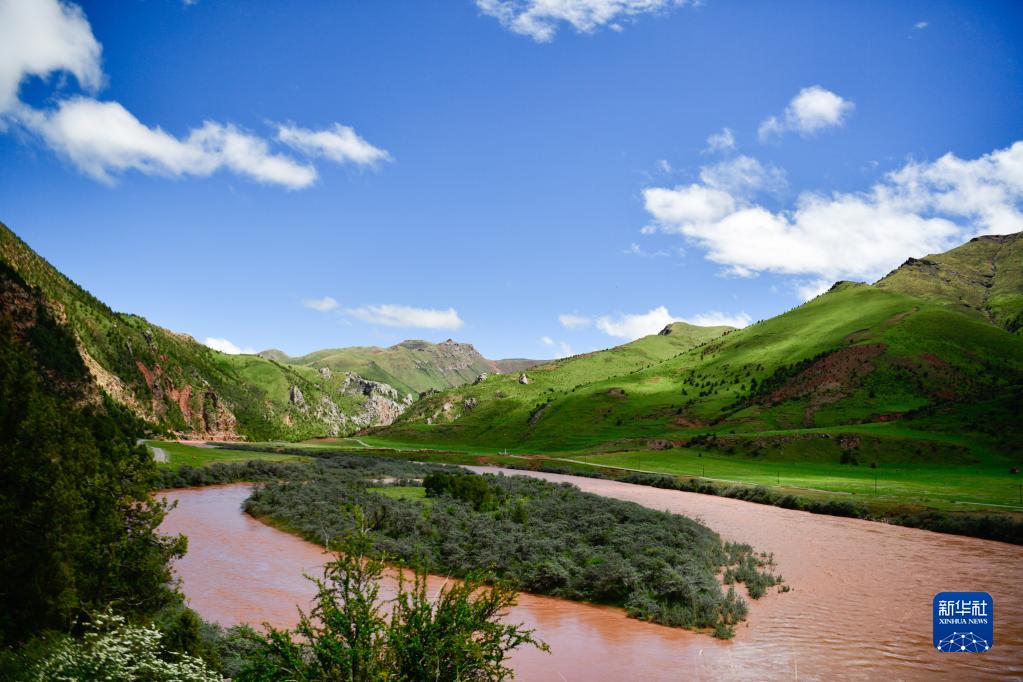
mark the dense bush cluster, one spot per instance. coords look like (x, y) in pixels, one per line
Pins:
(217, 473)
(538, 536)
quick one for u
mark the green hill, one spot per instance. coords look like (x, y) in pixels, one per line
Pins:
(178, 385)
(983, 276)
(847, 377)
(411, 366)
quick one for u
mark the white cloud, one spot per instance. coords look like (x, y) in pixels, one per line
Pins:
(225, 346)
(562, 349)
(920, 25)
(323, 305)
(813, 109)
(635, 326)
(695, 204)
(539, 19)
(638, 325)
(742, 175)
(339, 143)
(918, 209)
(103, 139)
(721, 141)
(663, 166)
(573, 321)
(38, 37)
(391, 315)
(719, 319)
(635, 250)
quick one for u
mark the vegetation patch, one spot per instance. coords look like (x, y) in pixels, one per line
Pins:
(537, 536)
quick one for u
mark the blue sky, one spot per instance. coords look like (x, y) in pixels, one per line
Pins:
(306, 175)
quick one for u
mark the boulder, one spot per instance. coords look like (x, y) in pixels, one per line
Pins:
(470, 403)
(523, 379)
(480, 379)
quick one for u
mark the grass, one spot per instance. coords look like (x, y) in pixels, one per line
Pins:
(180, 454)
(403, 492)
(942, 487)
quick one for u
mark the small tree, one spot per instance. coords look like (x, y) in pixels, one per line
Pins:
(457, 636)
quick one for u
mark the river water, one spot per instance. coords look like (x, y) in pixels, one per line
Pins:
(860, 605)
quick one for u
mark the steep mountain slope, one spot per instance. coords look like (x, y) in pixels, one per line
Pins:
(411, 366)
(983, 276)
(176, 384)
(854, 356)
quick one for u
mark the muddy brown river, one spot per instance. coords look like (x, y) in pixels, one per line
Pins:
(860, 607)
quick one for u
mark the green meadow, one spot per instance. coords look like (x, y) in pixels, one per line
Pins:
(181, 454)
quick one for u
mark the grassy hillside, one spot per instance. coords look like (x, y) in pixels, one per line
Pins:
(175, 383)
(410, 366)
(503, 412)
(853, 357)
(983, 277)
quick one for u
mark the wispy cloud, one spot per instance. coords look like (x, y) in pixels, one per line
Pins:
(225, 346)
(574, 321)
(635, 250)
(323, 305)
(813, 109)
(103, 139)
(540, 19)
(339, 143)
(393, 315)
(561, 348)
(721, 141)
(920, 25)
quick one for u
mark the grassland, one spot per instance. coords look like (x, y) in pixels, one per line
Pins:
(180, 454)
(403, 492)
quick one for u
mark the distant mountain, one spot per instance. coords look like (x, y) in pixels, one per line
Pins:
(983, 276)
(411, 366)
(927, 348)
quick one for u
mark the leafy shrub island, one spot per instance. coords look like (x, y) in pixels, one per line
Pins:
(537, 536)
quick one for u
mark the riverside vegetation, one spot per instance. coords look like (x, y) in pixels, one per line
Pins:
(537, 536)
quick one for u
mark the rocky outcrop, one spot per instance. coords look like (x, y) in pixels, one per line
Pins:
(325, 372)
(377, 411)
(480, 378)
(295, 397)
(470, 403)
(524, 379)
(356, 385)
(218, 422)
(330, 414)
